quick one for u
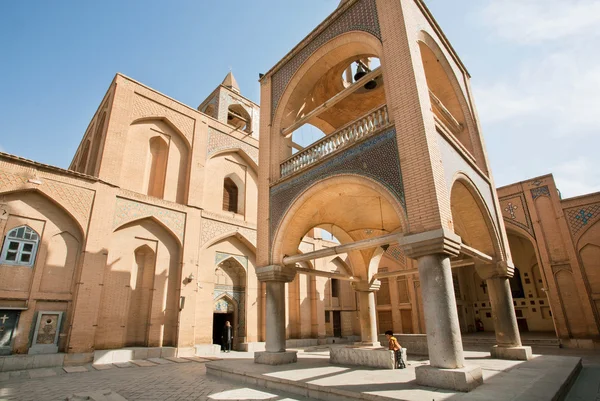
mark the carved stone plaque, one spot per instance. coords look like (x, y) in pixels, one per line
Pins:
(47, 330)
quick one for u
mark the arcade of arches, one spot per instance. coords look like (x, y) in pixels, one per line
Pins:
(154, 236)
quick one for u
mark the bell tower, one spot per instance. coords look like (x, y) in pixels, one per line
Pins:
(401, 163)
(227, 105)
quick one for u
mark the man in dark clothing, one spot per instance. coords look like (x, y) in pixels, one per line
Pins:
(227, 336)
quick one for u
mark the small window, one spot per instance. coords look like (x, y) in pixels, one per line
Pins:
(335, 287)
(20, 247)
(488, 314)
(230, 196)
(327, 317)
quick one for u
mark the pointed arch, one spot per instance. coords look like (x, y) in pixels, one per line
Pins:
(321, 196)
(473, 221)
(449, 92)
(241, 152)
(97, 140)
(80, 223)
(235, 234)
(155, 219)
(232, 259)
(345, 46)
(168, 122)
(341, 264)
(157, 166)
(83, 160)
(238, 117)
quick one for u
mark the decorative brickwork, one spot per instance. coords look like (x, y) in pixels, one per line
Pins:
(76, 200)
(376, 158)
(540, 191)
(147, 108)
(218, 141)
(395, 252)
(212, 229)
(362, 16)
(515, 211)
(221, 256)
(581, 217)
(128, 210)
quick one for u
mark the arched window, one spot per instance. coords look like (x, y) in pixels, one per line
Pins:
(91, 167)
(84, 157)
(230, 196)
(158, 167)
(239, 118)
(20, 247)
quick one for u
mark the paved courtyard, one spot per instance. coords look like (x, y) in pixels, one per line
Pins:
(169, 381)
(165, 379)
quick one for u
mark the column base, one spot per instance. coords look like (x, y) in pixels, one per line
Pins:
(463, 379)
(275, 358)
(513, 353)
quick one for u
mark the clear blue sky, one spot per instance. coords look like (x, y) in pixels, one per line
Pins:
(538, 91)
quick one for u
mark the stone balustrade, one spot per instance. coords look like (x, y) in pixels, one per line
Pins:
(356, 131)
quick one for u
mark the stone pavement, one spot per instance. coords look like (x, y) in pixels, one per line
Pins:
(167, 381)
(542, 378)
(182, 379)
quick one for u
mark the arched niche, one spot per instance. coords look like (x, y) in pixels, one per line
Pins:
(129, 256)
(156, 149)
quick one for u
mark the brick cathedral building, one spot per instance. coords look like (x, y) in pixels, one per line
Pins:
(149, 239)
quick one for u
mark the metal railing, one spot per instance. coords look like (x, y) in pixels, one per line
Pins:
(354, 132)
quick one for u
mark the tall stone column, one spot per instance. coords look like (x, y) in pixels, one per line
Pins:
(441, 317)
(432, 250)
(368, 311)
(275, 277)
(275, 316)
(508, 340)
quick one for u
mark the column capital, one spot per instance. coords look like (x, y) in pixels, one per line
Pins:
(431, 242)
(502, 269)
(366, 286)
(275, 273)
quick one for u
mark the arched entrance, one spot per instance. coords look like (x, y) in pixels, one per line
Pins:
(229, 296)
(224, 310)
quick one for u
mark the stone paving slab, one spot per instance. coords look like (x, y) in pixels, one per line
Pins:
(176, 360)
(159, 361)
(75, 369)
(38, 373)
(124, 365)
(103, 367)
(143, 363)
(316, 378)
(197, 359)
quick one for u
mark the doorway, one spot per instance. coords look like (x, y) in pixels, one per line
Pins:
(337, 324)
(219, 320)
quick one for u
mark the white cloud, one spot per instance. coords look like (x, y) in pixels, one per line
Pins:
(541, 111)
(500, 102)
(577, 176)
(534, 21)
(561, 88)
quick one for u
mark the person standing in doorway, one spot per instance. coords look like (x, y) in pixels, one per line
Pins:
(394, 345)
(227, 336)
